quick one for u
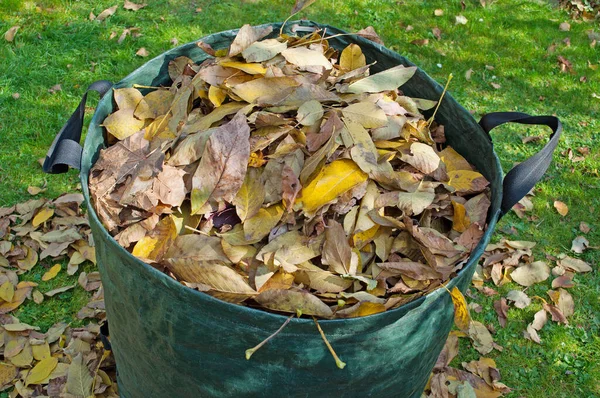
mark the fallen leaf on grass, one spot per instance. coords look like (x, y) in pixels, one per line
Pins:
(579, 244)
(106, 13)
(502, 310)
(520, 299)
(460, 20)
(370, 34)
(438, 12)
(59, 290)
(9, 35)
(561, 208)
(36, 190)
(564, 27)
(133, 6)
(142, 52)
(573, 264)
(481, 337)
(539, 320)
(529, 274)
(51, 273)
(584, 227)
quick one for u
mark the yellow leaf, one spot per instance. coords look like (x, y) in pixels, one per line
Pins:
(51, 273)
(254, 89)
(460, 220)
(42, 216)
(257, 159)
(30, 259)
(21, 293)
(365, 308)
(352, 58)
(7, 374)
(9, 35)
(7, 291)
(41, 351)
(127, 98)
(561, 207)
(333, 180)
(251, 68)
(41, 371)
(462, 319)
(360, 239)
(250, 197)
(259, 225)
(155, 245)
(467, 181)
(216, 96)
(122, 124)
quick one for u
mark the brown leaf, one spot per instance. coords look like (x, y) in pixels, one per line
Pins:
(337, 252)
(520, 298)
(59, 290)
(561, 208)
(370, 34)
(420, 42)
(529, 274)
(557, 315)
(579, 244)
(293, 302)
(574, 264)
(133, 6)
(223, 165)
(502, 310)
(106, 13)
(290, 185)
(584, 227)
(246, 36)
(437, 33)
(10, 34)
(142, 52)
(481, 337)
(218, 277)
(564, 27)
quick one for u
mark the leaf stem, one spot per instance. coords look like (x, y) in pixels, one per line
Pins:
(440, 101)
(338, 361)
(251, 351)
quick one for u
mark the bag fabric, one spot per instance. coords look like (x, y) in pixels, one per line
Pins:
(172, 341)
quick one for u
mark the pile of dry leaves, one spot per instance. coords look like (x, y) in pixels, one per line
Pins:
(63, 361)
(282, 174)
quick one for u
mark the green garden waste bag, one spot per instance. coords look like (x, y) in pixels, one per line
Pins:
(171, 341)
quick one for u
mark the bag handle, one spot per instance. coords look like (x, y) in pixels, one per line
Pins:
(65, 150)
(523, 177)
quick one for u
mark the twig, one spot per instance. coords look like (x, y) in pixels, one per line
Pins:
(251, 351)
(338, 361)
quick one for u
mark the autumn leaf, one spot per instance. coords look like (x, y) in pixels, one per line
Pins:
(154, 246)
(246, 36)
(293, 301)
(334, 179)
(462, 319)
(389, 79)
(122, 124)
(51, 273)
(301, 5)
(263, 50)
(251, 195)
(305, 58)
(41, 371)
(337, 252)
(261, 223)
(310, 113)
(222, 167)
(561, 207)
(106, 13)
(7, 291)
(529, 274)
(218, 277)
(352, 58)
(133, 6)
(79, 379)
(10, 34)
(467, 181)
(365, 113)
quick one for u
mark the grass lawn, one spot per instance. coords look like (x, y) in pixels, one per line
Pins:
(513, 44)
